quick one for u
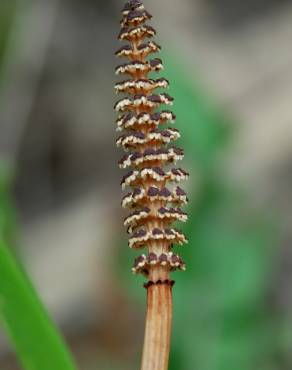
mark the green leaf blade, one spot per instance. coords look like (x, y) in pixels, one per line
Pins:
(34, 336)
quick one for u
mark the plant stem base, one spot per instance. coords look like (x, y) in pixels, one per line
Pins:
(158, 327)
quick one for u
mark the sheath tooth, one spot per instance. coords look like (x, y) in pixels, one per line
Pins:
(180, 236)
(124, 51)
(133, 198)
(179, 195)
(137, 138)
(177, 175)
(129, 178)
(136, 33)
(176, 262)
(139, 264)
(141, 236)
(136, 66)
(136, 217)
(152, 259)
(143, 264)
(130, 121)
(151, 155)
(133, 178)
(141, 52)
(143, 102)
(135, 16)
(163, 260)
(154, 173)
(131, 140)
(172, 214)
(132, 5)
(157, 234)
(141, 85)
(147, 48)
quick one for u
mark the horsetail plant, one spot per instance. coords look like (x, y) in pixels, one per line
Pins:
(153, 200)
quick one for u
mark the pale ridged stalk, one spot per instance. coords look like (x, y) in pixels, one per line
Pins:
(158, 328)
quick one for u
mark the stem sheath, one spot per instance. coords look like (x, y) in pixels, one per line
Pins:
(158, 327)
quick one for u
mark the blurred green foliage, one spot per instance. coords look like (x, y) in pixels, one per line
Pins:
(33, 334)
(220, 317)
(7, 11)
(221, 320)
(7, 215)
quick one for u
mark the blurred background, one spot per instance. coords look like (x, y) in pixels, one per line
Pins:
(229, 63)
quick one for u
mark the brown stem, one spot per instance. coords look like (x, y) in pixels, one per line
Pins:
(158, 327)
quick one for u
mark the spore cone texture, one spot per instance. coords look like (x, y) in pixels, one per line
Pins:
(147, 136)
